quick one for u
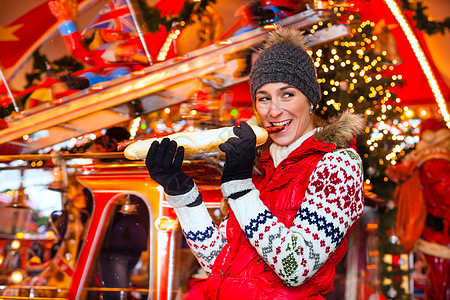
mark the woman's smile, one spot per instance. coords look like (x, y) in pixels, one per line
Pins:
(286, 125)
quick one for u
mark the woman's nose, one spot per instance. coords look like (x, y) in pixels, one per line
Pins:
(275, 109)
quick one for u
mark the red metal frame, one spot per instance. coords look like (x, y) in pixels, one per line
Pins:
(107, 186)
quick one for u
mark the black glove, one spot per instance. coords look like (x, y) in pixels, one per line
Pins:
(239, 154)
(166, 170)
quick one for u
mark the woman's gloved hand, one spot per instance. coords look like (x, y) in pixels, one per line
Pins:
(239, 154)
(163, 163)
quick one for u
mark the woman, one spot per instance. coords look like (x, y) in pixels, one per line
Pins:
(287, 224)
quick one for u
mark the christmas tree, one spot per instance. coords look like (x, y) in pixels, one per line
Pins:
(354, 77)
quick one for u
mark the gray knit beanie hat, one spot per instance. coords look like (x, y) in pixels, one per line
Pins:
(285, 59)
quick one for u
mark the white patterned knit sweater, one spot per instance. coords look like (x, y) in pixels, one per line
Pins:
(333, 203)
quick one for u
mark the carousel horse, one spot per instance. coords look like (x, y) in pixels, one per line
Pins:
(57, 275)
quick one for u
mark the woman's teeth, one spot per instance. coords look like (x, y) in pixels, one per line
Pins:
(281, 123)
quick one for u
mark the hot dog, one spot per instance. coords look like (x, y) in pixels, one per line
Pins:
(194, 142)
(274, 129)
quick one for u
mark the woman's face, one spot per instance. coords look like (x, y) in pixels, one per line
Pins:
(282, 104)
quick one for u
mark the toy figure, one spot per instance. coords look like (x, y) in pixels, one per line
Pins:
(58, 271)
(260, 13)
(429, 167)
(109, 48)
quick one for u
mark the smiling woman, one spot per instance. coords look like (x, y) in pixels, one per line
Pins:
(282, 104)
(288, 222)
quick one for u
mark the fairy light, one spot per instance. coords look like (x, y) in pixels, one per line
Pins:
(270, 26)
(420, 55)
(134, 127)
(379, 94)
(173, 35)
(16, 277)
(409, 113)
(15, 244)
(423, 113)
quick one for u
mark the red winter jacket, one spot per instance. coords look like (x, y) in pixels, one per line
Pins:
(239, 272)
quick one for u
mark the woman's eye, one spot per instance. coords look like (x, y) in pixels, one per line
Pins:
(287, 95)
(263, 99)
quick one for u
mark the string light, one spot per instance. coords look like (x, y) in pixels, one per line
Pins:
(134, 127)
(420, 55)
(173, 35)
(378, 96)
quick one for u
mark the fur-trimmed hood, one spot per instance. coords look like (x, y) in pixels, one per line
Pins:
(341, 129)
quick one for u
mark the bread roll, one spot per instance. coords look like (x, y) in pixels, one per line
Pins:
(194, 142)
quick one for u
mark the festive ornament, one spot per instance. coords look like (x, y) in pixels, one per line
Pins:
(391, 293)
(390, 205)
(393, 239)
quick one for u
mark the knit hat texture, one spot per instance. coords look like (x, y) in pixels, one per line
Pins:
(285, 59)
